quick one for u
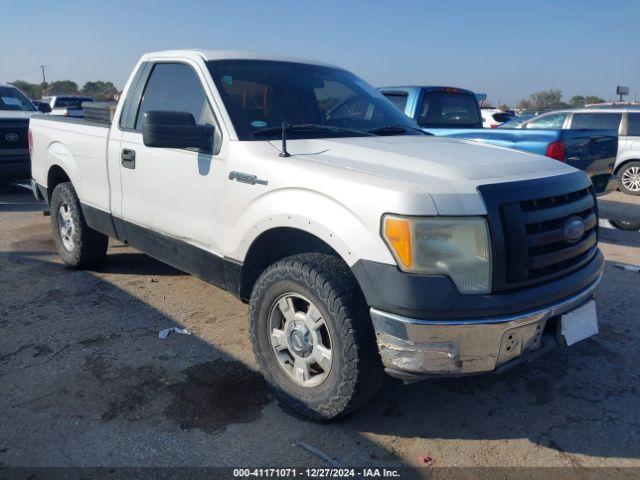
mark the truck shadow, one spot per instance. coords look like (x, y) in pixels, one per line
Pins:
(14, 198)
(582, 399)
(626, 236)
(612, 209)
(79, 353)
(135, 263)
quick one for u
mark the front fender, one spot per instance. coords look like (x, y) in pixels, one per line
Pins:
(353, 236)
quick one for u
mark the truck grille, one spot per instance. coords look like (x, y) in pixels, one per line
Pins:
(13, 134)
(531, 230)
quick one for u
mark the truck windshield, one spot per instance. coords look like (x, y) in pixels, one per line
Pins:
(12, 99)
(444, 109)
(260, 95)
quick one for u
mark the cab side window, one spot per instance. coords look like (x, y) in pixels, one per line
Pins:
(175, 87)
(399, 99)
(633, 125)
(605, 121)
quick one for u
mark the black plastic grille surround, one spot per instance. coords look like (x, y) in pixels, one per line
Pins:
(526, 220)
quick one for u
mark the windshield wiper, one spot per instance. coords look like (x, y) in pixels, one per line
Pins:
(309, 127)
(393, 129)
(304, 127)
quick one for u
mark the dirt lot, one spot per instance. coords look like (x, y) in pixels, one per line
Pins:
(85, 380)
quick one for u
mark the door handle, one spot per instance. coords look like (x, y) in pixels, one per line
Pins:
(128, 158)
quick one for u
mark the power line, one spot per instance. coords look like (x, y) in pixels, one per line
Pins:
(15, 76)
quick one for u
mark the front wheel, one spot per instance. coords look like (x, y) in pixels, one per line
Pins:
(313, 337)
(77, 243)
(630, 178)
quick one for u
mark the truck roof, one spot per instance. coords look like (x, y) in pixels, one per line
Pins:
(594, 110)
(434, 88)
(233, 55)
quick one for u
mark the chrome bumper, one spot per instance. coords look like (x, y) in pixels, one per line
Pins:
(413, 348)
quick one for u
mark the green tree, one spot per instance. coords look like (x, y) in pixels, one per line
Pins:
(62, 87)
(31, 90)
(544, 100)
(100, 90)
(581, 101)
(525, 105)
(593, 99)
(577, 101)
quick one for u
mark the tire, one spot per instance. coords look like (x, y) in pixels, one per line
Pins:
(78, 244)
(629, 176)
(355, 371)
(627, 225)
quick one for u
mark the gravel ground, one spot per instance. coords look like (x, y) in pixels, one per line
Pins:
(85, 380)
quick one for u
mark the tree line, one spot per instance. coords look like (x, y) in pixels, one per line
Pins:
(544, 100)
(98, 90)
(552, 100)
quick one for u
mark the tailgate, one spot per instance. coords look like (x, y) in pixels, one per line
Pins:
(593, 151)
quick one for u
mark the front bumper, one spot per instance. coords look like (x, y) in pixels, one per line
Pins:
(412, 348)
(14, 167)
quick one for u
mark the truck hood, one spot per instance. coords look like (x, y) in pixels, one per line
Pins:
(15, 114)
(449, 170)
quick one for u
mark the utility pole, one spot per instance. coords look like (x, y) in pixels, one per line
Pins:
(44, 81)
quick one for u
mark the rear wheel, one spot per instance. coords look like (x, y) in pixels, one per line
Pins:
(78, 244)
(629, 176)
(313, 337)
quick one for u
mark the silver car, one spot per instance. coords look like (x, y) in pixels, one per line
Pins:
(625, 120)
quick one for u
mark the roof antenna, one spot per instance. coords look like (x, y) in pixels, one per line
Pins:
(284, 152)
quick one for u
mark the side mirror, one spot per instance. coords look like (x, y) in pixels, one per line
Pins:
(164, 129)
(44, 107)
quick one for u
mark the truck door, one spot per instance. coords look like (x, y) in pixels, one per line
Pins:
(173, 192)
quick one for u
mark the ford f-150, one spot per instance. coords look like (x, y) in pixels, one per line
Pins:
(361, 244)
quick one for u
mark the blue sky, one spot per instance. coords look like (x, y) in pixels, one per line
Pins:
(506, 49)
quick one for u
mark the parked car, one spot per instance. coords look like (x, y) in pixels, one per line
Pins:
(15, 111)
(494, 117)
(361, 244)
(66, 105)
(624, 120)
(517, 121)
(454, 112)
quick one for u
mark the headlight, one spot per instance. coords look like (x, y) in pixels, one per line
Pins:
(458, 247)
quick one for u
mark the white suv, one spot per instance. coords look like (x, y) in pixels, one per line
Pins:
(626, 121)
(494, 117)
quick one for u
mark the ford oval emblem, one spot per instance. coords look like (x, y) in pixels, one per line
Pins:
(11, 137)
(573, 229)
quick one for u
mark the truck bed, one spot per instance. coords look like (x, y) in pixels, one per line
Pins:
(79, 147)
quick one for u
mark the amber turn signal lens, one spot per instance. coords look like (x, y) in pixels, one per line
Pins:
(397, 232)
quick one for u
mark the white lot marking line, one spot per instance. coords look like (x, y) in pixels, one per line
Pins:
(604, 223)
(628, 268)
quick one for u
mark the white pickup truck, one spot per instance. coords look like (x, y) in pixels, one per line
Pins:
(361, 244)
